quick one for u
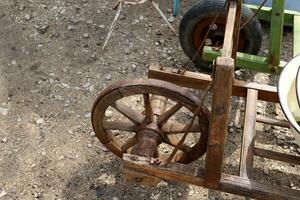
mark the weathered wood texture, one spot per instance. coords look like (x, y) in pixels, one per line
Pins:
(246, 162)
(201, 81)
(274, 122)
(228, 183)
(219, 120)
(277, 156)
(130, 175)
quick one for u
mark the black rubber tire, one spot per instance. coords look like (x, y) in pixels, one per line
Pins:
(209, 8)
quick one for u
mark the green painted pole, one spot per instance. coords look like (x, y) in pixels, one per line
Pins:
(243, 60)
(276, 32)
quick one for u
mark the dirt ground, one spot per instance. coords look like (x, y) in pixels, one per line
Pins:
(52, 67)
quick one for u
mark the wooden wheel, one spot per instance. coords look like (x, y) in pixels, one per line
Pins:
(149, 118)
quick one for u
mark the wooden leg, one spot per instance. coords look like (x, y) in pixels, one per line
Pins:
(219, 120)
(246, 162)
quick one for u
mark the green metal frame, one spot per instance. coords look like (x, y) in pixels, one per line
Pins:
(278, 17)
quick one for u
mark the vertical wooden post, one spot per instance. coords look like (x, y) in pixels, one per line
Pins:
(222, 89)
(219, 120)
(246, 161)
(276, 31)
(237, 26)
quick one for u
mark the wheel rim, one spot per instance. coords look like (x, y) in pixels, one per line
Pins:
(169, 131)
(216, 36)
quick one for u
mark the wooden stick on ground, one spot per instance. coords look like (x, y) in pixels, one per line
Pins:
(114, 23)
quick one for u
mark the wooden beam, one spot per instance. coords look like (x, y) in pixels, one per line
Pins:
(193, 175)
(201, 81)
(274, 122)
(277, 156)
(246, 161)
(219, 119)
(130, 175)
(229, 33)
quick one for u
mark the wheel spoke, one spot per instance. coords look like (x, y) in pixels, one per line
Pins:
(173, 141)
(128, 144)
(132, 115)
(120, 125)
(148, 108)
(167, 115)
(175, 128)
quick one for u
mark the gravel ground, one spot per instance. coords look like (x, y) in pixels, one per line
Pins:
(52, 67)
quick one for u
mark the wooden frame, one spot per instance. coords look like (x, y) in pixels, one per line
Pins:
(144, 170)
(242, 184)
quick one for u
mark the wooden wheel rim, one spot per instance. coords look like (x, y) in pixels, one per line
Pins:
(156, 87)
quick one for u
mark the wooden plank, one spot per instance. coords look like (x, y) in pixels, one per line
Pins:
(229, 33)
(277, 156)
(193, 175)
(246, 162)
(176, 172)
(274, 122)
(222, 91)
(130, 175)
(236, 32)
(296, 35)
(200, 81)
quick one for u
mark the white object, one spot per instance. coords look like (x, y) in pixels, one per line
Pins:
(288, 97)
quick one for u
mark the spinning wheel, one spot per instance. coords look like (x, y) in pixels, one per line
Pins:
(156, 124)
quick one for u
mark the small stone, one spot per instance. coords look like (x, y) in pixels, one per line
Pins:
(85, 35)
(4, 111)
(71, 27)
(4, 140)
(89, 145)
(238, 73)
(39, 121)
(27, 17)
(103, 148)
(126, 50)
(108, 77)
(61, 157)
(87, 84)
(133, 66)
(36, 194)
(42, 26)
(92, 134)
(171, 19)
(87, 115)
(238, 126)
(115, 198)
(101, 26)
(191, 192)
(292, 184)
(266, 171)
(179, 194)
(3, 193)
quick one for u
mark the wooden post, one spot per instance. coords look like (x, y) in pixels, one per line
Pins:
(222, 89)
(219, 120)
(246, 162)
